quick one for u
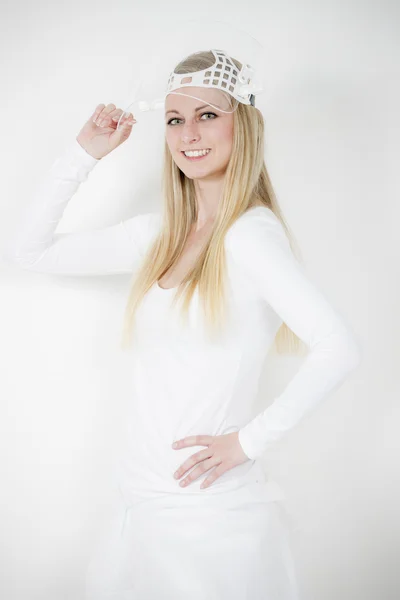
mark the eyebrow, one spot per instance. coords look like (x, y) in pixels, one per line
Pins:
(195, 110)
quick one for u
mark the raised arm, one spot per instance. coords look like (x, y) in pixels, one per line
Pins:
(258, 243)
(109, 250)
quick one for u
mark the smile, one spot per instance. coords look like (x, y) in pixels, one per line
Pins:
(197, 157)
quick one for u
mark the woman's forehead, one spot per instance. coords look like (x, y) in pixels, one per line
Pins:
(189, 96)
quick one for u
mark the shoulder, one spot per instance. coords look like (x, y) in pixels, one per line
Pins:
(143, 228)
(256, 229)
(148, 220)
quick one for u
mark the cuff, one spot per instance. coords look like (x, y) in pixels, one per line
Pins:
(74, 163)
(80, 153)
(247, 446)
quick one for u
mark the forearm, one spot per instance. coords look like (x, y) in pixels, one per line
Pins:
(44, 211)
(323, 371)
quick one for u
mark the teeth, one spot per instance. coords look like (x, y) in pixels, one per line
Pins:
(196, 152)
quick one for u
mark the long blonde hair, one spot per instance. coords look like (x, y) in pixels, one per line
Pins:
(246, 184)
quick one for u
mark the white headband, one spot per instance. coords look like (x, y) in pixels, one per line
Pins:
(222, 75)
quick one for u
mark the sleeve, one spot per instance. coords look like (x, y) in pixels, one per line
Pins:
(35, 246)
(258, 243)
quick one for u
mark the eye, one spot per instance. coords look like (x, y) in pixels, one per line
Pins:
(203, 114)
(208, 113)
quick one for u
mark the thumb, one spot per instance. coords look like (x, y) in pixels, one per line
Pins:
(123, 131)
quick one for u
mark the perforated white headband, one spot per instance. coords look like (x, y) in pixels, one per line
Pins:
(222, 75)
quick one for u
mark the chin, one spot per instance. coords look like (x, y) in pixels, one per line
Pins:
(198, 173)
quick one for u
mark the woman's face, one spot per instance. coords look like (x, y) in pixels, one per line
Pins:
(207, 128)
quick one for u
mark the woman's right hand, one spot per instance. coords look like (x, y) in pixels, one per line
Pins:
(99, 140)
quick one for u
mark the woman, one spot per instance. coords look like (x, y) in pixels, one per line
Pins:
(200, 520)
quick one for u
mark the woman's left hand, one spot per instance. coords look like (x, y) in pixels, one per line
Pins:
(223, 452)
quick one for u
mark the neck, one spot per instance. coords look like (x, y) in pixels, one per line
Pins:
(208, 194)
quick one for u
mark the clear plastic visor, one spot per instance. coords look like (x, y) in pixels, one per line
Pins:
(184, 103)
(148, 96)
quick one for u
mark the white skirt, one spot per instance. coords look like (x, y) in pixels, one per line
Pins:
(233, 547)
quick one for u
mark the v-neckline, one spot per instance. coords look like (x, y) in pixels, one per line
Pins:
(176, 287)
(166, 289)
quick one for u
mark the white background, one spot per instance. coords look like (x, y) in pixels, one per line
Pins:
(332, 130)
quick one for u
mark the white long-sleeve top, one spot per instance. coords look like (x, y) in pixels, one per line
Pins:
(184, 385)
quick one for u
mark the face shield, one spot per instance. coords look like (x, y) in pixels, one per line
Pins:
(228, 71)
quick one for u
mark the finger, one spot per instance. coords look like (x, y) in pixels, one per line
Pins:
(191, 462)
(194, 440)
(97, 111)
(126, 120)
(116, 114)
(110, 119)
(218, 471)
(123, 118)
(121, 131)
(204, 466)
(108, 109)
(104, 117)
(125, 126)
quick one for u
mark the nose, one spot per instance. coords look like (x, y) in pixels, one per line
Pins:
(189, 133)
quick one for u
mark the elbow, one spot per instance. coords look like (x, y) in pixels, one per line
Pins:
(11, 250)
(13, 257)
(343, 348)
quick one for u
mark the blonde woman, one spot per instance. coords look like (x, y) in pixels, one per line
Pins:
(215, 283)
